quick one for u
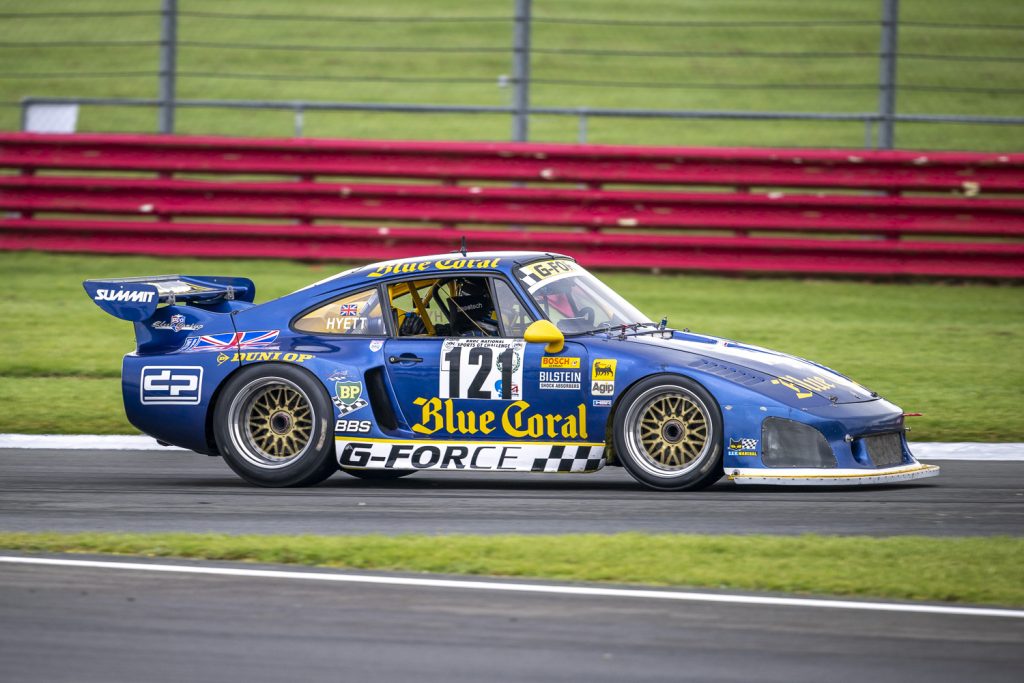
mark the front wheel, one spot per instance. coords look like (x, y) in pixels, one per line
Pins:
(668, 434)
(272, 425)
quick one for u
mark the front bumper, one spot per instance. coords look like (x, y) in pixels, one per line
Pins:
(831, 477)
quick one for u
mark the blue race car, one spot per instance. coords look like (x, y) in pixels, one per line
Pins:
(484, 362)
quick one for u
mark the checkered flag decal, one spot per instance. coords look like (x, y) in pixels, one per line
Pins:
(346, 408)
(748, 444)
(530, 280)
(571, 459)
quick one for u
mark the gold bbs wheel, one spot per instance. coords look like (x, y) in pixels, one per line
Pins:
(673, 430)
(669, 431)
(271, 422)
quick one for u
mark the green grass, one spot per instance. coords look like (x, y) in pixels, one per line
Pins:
(856, 74)
(953, 352)
(972, 570)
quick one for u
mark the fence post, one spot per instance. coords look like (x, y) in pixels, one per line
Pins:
(521, 73)
(168, 62)
(887, 73)
(582, 137)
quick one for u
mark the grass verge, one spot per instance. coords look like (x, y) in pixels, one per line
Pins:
(970, 570)
(953, 352)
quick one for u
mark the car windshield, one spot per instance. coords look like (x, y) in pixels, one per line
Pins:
(574, 300)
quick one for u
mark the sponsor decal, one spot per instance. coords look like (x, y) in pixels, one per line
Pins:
(517, 420)
(348, 397)
(603, 369)
(442, 264)
(135, 296)
(602, 403)
(805, 387)
(516, 391)
(743, 447)
(255, 356)
(560, 362)
(432, 455)
(536, 273)
(560, 379)
(171, 385)
(545, 269)
(352, 426)
(176, 324)
(338, 374)
(482, 368)
(602, 375)
(376, 345)
(229, 341)
(346, 324)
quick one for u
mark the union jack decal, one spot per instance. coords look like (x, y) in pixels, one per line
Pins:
(230, 341)
(349, 309)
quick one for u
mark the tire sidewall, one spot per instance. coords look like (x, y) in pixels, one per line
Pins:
(710, 469)
(313, 466)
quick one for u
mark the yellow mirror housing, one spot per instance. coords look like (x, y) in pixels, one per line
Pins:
(544, 332)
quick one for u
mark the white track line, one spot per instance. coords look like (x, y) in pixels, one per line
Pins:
(124, 442)
(86, 442)
(523, 587)
(929, 451)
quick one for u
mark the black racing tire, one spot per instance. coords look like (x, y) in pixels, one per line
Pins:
(273, 425)
(667, 432)
(378, 475)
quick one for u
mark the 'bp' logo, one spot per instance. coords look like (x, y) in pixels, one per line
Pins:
(348, 392)
(348, 397)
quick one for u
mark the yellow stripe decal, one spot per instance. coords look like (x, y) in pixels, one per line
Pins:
(435, 442)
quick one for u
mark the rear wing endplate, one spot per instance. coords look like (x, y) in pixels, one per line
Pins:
(137, 298)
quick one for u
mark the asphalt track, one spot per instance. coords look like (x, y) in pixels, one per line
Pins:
(78, 624)
(92, 624)
(182, 491)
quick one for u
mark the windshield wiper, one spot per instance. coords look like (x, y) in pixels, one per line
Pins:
(631, 329)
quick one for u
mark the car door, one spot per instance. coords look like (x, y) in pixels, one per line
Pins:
(470, 388)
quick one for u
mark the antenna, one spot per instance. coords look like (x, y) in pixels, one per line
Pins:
(463, 247)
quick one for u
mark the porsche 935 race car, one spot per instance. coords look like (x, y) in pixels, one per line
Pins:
(496, 362)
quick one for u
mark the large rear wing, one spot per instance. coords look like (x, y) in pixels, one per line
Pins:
(137, 298)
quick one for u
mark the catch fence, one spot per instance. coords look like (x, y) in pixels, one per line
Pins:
(864, 70)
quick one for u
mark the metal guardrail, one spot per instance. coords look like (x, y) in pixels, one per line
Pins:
(939, 214)
(869, 119)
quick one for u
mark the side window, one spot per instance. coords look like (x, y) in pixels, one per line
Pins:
(443, 307)
(514, 316)
(411, 309)
(356, 314)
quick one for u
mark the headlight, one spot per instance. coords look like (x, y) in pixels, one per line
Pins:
(785, 443)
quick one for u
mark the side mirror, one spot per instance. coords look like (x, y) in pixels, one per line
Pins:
(544, 332)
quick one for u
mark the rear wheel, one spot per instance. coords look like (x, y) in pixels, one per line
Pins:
(668, 434)
(272, 424)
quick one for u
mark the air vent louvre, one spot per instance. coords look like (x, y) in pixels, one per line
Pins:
(729, 372)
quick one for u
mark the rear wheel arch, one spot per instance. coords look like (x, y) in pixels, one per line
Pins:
(302, 452)
(218, 393)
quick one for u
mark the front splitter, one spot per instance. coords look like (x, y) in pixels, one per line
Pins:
(836, 477)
